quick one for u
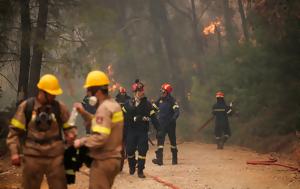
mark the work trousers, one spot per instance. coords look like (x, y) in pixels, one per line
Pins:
(137, 140)
(103, 173)
(36, 167)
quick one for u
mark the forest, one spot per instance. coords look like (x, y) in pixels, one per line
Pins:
(249, 49)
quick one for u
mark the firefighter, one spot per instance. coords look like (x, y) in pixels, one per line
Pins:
(41, 121)
(142, 112)
(221, 112)
(105, 141)
(122, 98)
(168, 112)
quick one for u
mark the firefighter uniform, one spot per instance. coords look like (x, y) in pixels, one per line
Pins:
(168, 112)
(142, 112)
(221, 111)
(43, 146)
(122, 98)
(105, 141)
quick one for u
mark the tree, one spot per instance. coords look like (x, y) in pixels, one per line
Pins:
(25, 50)
(228, 22)
(244, 21)
(38, 47)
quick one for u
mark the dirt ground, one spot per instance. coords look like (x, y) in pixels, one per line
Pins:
(201, 166)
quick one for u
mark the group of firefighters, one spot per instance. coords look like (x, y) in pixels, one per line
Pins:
(116, 129)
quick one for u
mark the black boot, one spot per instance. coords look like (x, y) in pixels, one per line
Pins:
(141, 167)
(159, 157)
(132, 165)
(219, 143)
(141, 174)
(223, 140)
(174, 156)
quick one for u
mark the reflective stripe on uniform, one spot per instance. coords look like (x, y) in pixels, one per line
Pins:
(152, 112)
(16, 123)
(124, 110)
(117, 117)
(156, 107)
(173, 147)
(70, 172)
(161, 146)
(141, 157)
(230, 110)
(74, 159)
(66, 126)
(132, 156)
(101, 129)
(219, 110)
(175, 106)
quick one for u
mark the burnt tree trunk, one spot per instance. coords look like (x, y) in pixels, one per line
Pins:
(157, 41)
(38, 47)
(244, 21)
(228, 22)
(25, 50)
(171, 50)
(128, 58)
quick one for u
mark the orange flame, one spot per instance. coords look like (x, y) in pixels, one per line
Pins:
(115, 85)
(212, 27)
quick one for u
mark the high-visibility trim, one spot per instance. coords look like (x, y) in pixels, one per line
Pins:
(101, 129)
(226, 136)
(74, 159)
(117, 117)
(66, 126)
(154, 105)
(218, 138)
(70, 172)
(229, 111)
(219, 110)
(152, 112)
(173, 147)
(124, 110)
(132, 156)
(175, 106)
(16, 123)
(141, 157)
(160, 146)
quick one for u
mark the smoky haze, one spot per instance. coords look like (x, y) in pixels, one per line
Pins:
(198, 46)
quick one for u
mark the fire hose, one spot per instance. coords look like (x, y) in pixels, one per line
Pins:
(157, 179)
(272, 161)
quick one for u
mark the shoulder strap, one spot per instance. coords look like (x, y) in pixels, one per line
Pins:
(28, 109)
(57, 113)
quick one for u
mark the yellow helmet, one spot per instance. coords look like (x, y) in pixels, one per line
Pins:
(49, 83)
(96, 78)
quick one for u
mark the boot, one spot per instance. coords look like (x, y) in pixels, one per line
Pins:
(159, 157)
(219, 143)
(132, 165)
(174, 156)
(223, 140)
(141, 174)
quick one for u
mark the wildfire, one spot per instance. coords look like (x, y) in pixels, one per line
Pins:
(212, 27)
(115, 85)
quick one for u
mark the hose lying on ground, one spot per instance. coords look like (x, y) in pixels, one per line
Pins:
(272, 161)
(157, 179)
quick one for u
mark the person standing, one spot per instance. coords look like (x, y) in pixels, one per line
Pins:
(41, 121)
(221, 111)
(168, 112)
(142, 113)
(105, 140)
